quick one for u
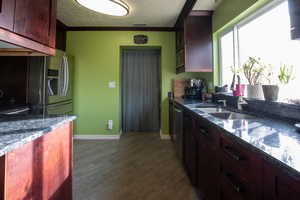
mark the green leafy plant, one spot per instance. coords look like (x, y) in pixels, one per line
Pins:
(236, 70)
(253, 70)
(269, 74)
(285, 74)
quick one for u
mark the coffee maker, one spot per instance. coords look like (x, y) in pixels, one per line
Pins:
(194, 89)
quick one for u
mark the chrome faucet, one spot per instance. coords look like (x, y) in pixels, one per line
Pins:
(241, 101)
(219, 108)
(224, 102)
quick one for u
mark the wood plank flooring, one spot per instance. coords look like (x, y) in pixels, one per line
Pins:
(139, 166)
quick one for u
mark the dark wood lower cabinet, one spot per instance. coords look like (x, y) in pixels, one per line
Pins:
(208, 162)
(41, 169)
(278, 185)
(222, 169)
(190, 148)
(171, 120)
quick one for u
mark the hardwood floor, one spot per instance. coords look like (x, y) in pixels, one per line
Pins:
(139, 166)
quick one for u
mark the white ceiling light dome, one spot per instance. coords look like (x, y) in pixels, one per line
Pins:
(108, 7)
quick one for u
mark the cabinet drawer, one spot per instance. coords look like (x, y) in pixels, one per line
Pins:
(208, 133)
(237, 155)
(235, 188)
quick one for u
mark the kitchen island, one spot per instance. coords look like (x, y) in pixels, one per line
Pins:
(36, 157)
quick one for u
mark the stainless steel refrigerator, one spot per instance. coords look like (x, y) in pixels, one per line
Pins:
(50, 84)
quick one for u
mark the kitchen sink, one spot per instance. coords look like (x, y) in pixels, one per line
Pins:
(232, 115)
(212, 110)
(202, 105)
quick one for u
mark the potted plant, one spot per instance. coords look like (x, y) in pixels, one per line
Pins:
(285, 75)
(253, 71)
(271, 89)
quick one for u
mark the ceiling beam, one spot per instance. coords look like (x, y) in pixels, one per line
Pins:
(187, 8)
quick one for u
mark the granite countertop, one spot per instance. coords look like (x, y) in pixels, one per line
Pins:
(276, 140)
(16, 131)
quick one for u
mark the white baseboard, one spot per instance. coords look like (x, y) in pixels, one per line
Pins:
(96, 137)
(164, 136)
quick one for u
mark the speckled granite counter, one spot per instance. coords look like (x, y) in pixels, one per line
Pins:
(17, 131)
(277, 141)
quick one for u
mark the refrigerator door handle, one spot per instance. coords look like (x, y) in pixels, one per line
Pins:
(67, 78)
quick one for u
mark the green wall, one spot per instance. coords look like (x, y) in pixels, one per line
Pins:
(97, 61)
(229, 13)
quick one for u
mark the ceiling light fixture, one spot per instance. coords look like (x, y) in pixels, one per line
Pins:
(108, 7)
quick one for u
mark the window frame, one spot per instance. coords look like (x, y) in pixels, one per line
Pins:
(235, 28)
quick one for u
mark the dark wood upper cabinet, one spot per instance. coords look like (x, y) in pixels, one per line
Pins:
(61, 36)
(194, 46)
(52, 23)
(30, 24)
(33, 19)
(7, 8)
(294, 8)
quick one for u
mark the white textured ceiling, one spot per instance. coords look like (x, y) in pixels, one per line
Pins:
(154, 13)
(206, 4)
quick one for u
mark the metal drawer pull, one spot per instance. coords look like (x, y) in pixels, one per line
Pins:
(177, 110)
(204, 132)
(235, 186)
(229, 151)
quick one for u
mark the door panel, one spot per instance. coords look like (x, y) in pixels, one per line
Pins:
(7, 9)
(140, 90)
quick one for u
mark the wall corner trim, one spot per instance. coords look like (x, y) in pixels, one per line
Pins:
(164, 136)
(96, 137)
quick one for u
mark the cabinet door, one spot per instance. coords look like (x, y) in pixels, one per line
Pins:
(198, 44)
(208, 162)
(190, 148)
(7, 8)
(33, 19)
(278, 185)
(178, 132)
(171, 121)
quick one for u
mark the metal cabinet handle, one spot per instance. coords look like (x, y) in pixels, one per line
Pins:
(204, 132)
(232, 154)
(177, 110)
(236, 186)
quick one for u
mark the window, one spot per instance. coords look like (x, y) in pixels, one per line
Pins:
(266, 36)
(227, 59)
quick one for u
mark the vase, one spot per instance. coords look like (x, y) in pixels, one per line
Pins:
(271, 92)
(255, 92)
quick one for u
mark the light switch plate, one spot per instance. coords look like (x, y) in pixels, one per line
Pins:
(112, 84)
